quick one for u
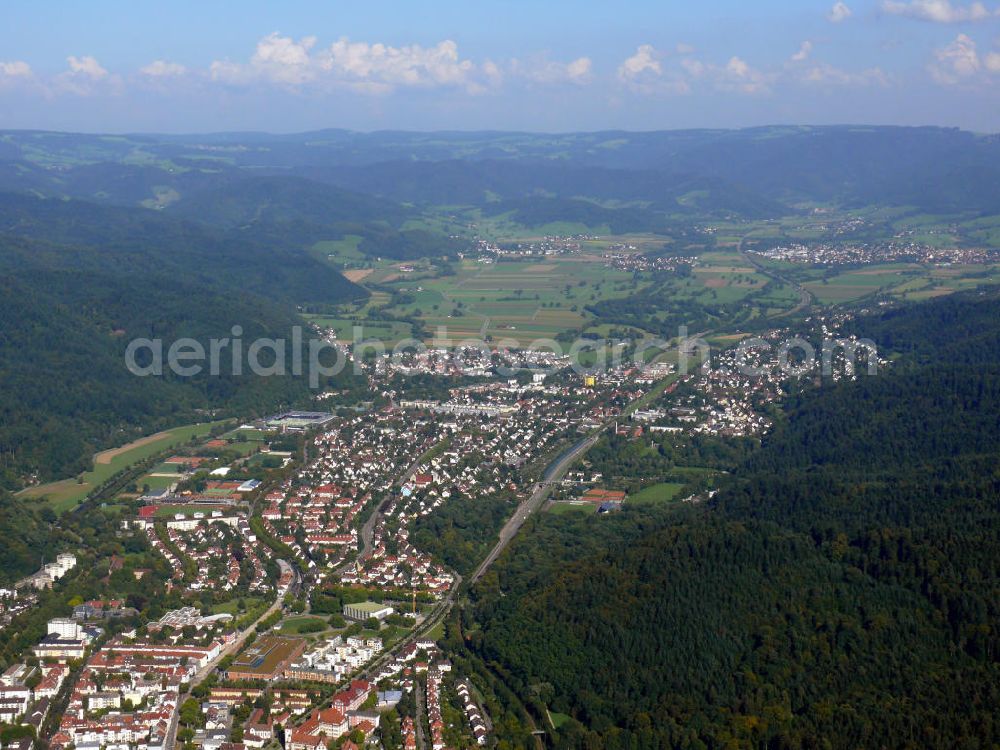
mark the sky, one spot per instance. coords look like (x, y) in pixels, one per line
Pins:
(546, 65)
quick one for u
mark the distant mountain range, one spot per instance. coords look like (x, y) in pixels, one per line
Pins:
(752, 172)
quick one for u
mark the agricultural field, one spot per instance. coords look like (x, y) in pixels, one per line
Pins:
(67, 493)
(524, 301)
(725, 277)
(905, 281)
(534, 299)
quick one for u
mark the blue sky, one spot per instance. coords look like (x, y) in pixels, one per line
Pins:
(188, 66)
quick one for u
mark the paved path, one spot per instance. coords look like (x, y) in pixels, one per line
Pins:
(421, 717)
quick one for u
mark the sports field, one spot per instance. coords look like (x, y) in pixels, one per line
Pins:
(562, 508)
(67, 493)
(657, 493)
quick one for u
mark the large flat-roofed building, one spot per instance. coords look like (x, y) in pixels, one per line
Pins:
(297, 421)
(267, 658)
(364, 610)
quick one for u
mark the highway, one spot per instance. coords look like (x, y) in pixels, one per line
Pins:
(553, 473)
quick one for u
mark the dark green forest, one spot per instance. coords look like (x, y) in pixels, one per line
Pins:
(79, 281)
(841, 591)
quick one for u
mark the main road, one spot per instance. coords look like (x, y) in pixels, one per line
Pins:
(368, 529)
(555, 471)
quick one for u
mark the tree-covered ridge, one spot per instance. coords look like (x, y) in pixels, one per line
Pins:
(79, 281)
(27, 536)
(243, 201)
(841, 591)
(79, 236)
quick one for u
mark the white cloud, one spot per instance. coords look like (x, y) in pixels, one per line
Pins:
(802, 69)
(492, 72)
(804, 51)
(684, 49)
(645, 73)
(283, 60)
(367, 68)
(15, 73)
(938, 11)
(383, 65)
(276, 59)
(542, 70)
(644, 61)
(86, 67)
(85, 76)
(228, 72)
(579, 69)
(739, 76)
(163, 69)
(737, 68)
(956, 61)
(694, 68)
(15, 69)
(839, 13)
(992, 62)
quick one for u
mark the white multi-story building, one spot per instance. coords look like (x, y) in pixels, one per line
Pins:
(65, 628)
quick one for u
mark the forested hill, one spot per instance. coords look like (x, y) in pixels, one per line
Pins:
(27, 535)
(842, 592)
(78, 281)
(243, 201)
(83, 236)
(302, 212)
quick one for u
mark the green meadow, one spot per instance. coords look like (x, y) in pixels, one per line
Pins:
(68, 493)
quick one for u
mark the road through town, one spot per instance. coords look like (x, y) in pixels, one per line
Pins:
(229, 649)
